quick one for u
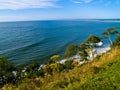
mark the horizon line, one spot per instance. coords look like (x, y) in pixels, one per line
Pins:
(63, 19)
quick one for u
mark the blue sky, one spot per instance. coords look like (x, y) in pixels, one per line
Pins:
(20, 10)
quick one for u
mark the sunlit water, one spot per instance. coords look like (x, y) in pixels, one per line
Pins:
(22, 42)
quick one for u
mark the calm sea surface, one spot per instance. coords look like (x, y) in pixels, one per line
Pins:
(22, 42)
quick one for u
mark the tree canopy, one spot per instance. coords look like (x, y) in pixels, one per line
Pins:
(92, 39)
(71, 50)
(5, 66)
(110, 31)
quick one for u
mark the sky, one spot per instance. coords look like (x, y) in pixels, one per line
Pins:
(22, 10)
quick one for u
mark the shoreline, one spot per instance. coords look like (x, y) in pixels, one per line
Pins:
(99, 51)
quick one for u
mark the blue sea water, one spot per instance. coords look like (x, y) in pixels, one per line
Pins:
(26, 41)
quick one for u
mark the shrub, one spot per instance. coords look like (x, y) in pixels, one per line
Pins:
(71, 50)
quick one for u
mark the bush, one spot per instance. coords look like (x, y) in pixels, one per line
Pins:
(6, 75)
(5, 66)
(26, 86)
(71, 50)
(68, 64)
(116, 42)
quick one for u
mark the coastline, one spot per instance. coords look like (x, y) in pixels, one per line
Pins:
(99, 51)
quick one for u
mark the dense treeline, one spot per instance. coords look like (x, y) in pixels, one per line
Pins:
(11, 74)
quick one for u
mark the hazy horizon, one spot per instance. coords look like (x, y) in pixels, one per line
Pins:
(62, 19)
(27, 10)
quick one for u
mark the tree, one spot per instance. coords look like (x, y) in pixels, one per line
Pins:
(6, 69)
(82, 46)
(82, 51)
(55, 58)
(5, 66)
(47, 69)
(83, 55)
(54, 65)
(90, 43)
(92, 40)
(68, 64)
(33, 67)
(117, 41)
(110, 31)
(41, 72)
(71, 50)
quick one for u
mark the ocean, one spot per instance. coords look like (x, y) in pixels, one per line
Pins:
(25, 41)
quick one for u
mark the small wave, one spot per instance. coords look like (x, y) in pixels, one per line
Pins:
(103, 49)
(77, 57)
(24, 47)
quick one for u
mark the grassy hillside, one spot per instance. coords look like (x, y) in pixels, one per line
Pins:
(101, 74)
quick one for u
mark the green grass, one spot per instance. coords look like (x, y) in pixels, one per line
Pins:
(101, 74)
(106, 77)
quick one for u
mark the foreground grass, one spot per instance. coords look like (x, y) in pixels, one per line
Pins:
(101, 74)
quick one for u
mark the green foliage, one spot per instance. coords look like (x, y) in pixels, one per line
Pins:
(61, 84)
(105, 79)
(26, 86)
(20, 67)
(53, 59)
(101, 74)
(83, 55)
(82, 46)
(117, 41)
(5, 66)
(6, 75)
(47, 69)
(90, 43)
(60, 67)
(68, 64)
(71, 50)
(92, 39)
(33, 67)
(110, 31)
(41, 73)
(90, 76)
